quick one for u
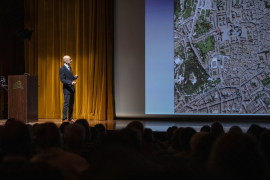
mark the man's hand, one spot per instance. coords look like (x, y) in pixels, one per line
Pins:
(73, 82)
(76, 76)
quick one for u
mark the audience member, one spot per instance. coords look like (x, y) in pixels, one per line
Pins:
(169, 134)
(181, 139)
(148, 137)
(201, 145)
(175, 140)
(94, 134)
(265, 145)
(216, 129)
(196, 139)
(47, 140)
(10, 120)
(235, 129)
(63, 126)
(136, 125)
(256, 131)
(16, 139)
(74, 138)
(87, 129)
(119, 160)
(133, 152)
(129, 138)
(88, 145)
(236, 156)
(101, 128)
(205, 128)
(148, 146)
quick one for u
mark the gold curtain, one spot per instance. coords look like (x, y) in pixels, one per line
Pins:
(83, 30)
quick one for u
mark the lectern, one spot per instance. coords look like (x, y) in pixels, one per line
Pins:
(23, 98)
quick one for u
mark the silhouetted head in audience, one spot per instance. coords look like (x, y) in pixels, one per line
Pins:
(216, 128)
(129, 138)
(136, 125)
(94, 134)
(101, 128)
(236, 156)
(265, 145)
(118, 158)
(235, 129)
(256, 131)
(148, 136)
(201, 145)
(186, 136)
(63, 126)
(47, 135)
(169, 133)
(87, 129)
(176, 138)
(196, 139)
(181, 139)
(74, 137)
(16, 139)
(205, 128)
(10, 120)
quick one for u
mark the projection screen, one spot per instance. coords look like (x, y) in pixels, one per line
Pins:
(191, 58)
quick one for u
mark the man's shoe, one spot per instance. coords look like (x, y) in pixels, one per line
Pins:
(64, 121)
(71, 121)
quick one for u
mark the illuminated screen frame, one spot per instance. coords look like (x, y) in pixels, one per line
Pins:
(129, 58)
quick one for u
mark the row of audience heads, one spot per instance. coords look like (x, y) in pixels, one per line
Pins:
(231, 155)
(17, 137)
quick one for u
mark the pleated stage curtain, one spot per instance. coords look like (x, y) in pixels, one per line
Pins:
(81, 29)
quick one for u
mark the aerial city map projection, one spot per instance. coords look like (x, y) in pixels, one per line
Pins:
(221, 56)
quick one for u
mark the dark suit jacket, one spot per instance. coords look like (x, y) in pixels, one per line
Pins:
(66, 78)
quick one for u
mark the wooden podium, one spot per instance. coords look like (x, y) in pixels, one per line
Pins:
(23, 98)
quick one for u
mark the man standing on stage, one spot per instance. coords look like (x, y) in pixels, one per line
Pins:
(67, 78)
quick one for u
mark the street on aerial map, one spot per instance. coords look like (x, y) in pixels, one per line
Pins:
(221, 56)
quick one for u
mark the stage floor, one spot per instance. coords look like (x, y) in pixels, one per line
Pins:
(156, 125)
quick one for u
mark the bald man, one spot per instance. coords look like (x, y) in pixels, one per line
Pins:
(67, 78)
